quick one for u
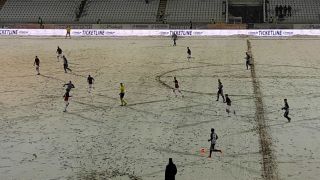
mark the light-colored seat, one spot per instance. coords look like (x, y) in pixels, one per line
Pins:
(120, 11)
(194, 10)
(111, 11)
(51, 11)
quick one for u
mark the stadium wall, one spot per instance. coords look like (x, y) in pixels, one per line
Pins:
(125, 26)
(190, 33)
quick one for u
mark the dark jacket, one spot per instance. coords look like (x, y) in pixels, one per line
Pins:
(171, 171)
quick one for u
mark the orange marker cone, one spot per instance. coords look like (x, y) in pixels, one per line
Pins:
(202, 151)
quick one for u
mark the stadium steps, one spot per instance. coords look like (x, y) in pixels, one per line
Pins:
(81, 10)
(161, 8)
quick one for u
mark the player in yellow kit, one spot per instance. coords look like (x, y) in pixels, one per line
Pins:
(122, 91)
(68, 32)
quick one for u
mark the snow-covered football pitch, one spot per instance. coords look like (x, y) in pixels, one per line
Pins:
(99, 139)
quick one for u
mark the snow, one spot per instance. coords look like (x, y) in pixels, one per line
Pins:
(97, 138)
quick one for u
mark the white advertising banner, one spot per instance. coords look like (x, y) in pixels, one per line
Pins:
(32, 32)
(121, 33)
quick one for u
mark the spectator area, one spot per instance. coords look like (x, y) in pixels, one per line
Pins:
(2, 2)
(111, 11)
(306, 11)
(51, 11)
(194, 10)
(137, 11)
(121, 11)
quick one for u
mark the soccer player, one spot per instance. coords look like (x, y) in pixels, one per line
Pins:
(122, 91)
(189, 53)
(248, 57)
(220, 91)
(65, 64)
(174, 37)
(90, 81)
(176, 87)
(228, 108)
(68, 32)
(59, 52)
(37, 64)
(66, 100)
(69, 86)
(213, 139)
(286, 108)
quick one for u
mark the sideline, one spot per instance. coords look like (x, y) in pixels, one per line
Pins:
(270, 168)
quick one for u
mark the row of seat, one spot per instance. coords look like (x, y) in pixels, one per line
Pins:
(109, 10)
(138, 11)
(194, 10)
(121, 11)
(51, 11)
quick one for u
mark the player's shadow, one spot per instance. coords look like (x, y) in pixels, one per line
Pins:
(195, 124)
(50, 77)
(170, 151)
(186, 107)
(293, 66)
(94, 106)
(143, 111)
(274, 125)
(147, 102)
(102, 95)
(85, 118)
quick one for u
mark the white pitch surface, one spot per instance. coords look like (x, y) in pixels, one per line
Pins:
(97, 138)
(291, 69)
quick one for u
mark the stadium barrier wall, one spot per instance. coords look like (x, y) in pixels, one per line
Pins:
(123, 33)
(306, 26)
(85, 26)
(159, 26)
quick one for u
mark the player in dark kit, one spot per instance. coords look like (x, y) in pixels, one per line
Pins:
(66, 100)
(90, 81)
(176, 87)
(37, 64)
(286, 108)
(220, 91)
(248, 57)
(65, 64)
(174, 37)
(228, 108)
(69, 86)
(189, 53)
(59, 52)
(213, 139)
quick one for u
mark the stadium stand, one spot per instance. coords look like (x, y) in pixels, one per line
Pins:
(161, 10)
(51, 11)
(194, 10)
(138, 11)
(2, 2)
(307, 11)
(120, 11)
(111, 11)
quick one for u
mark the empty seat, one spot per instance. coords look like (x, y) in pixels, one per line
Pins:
(194, 10)
(51, 11)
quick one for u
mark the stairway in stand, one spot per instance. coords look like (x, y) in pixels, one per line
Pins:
(161, 10)
(81, 9)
